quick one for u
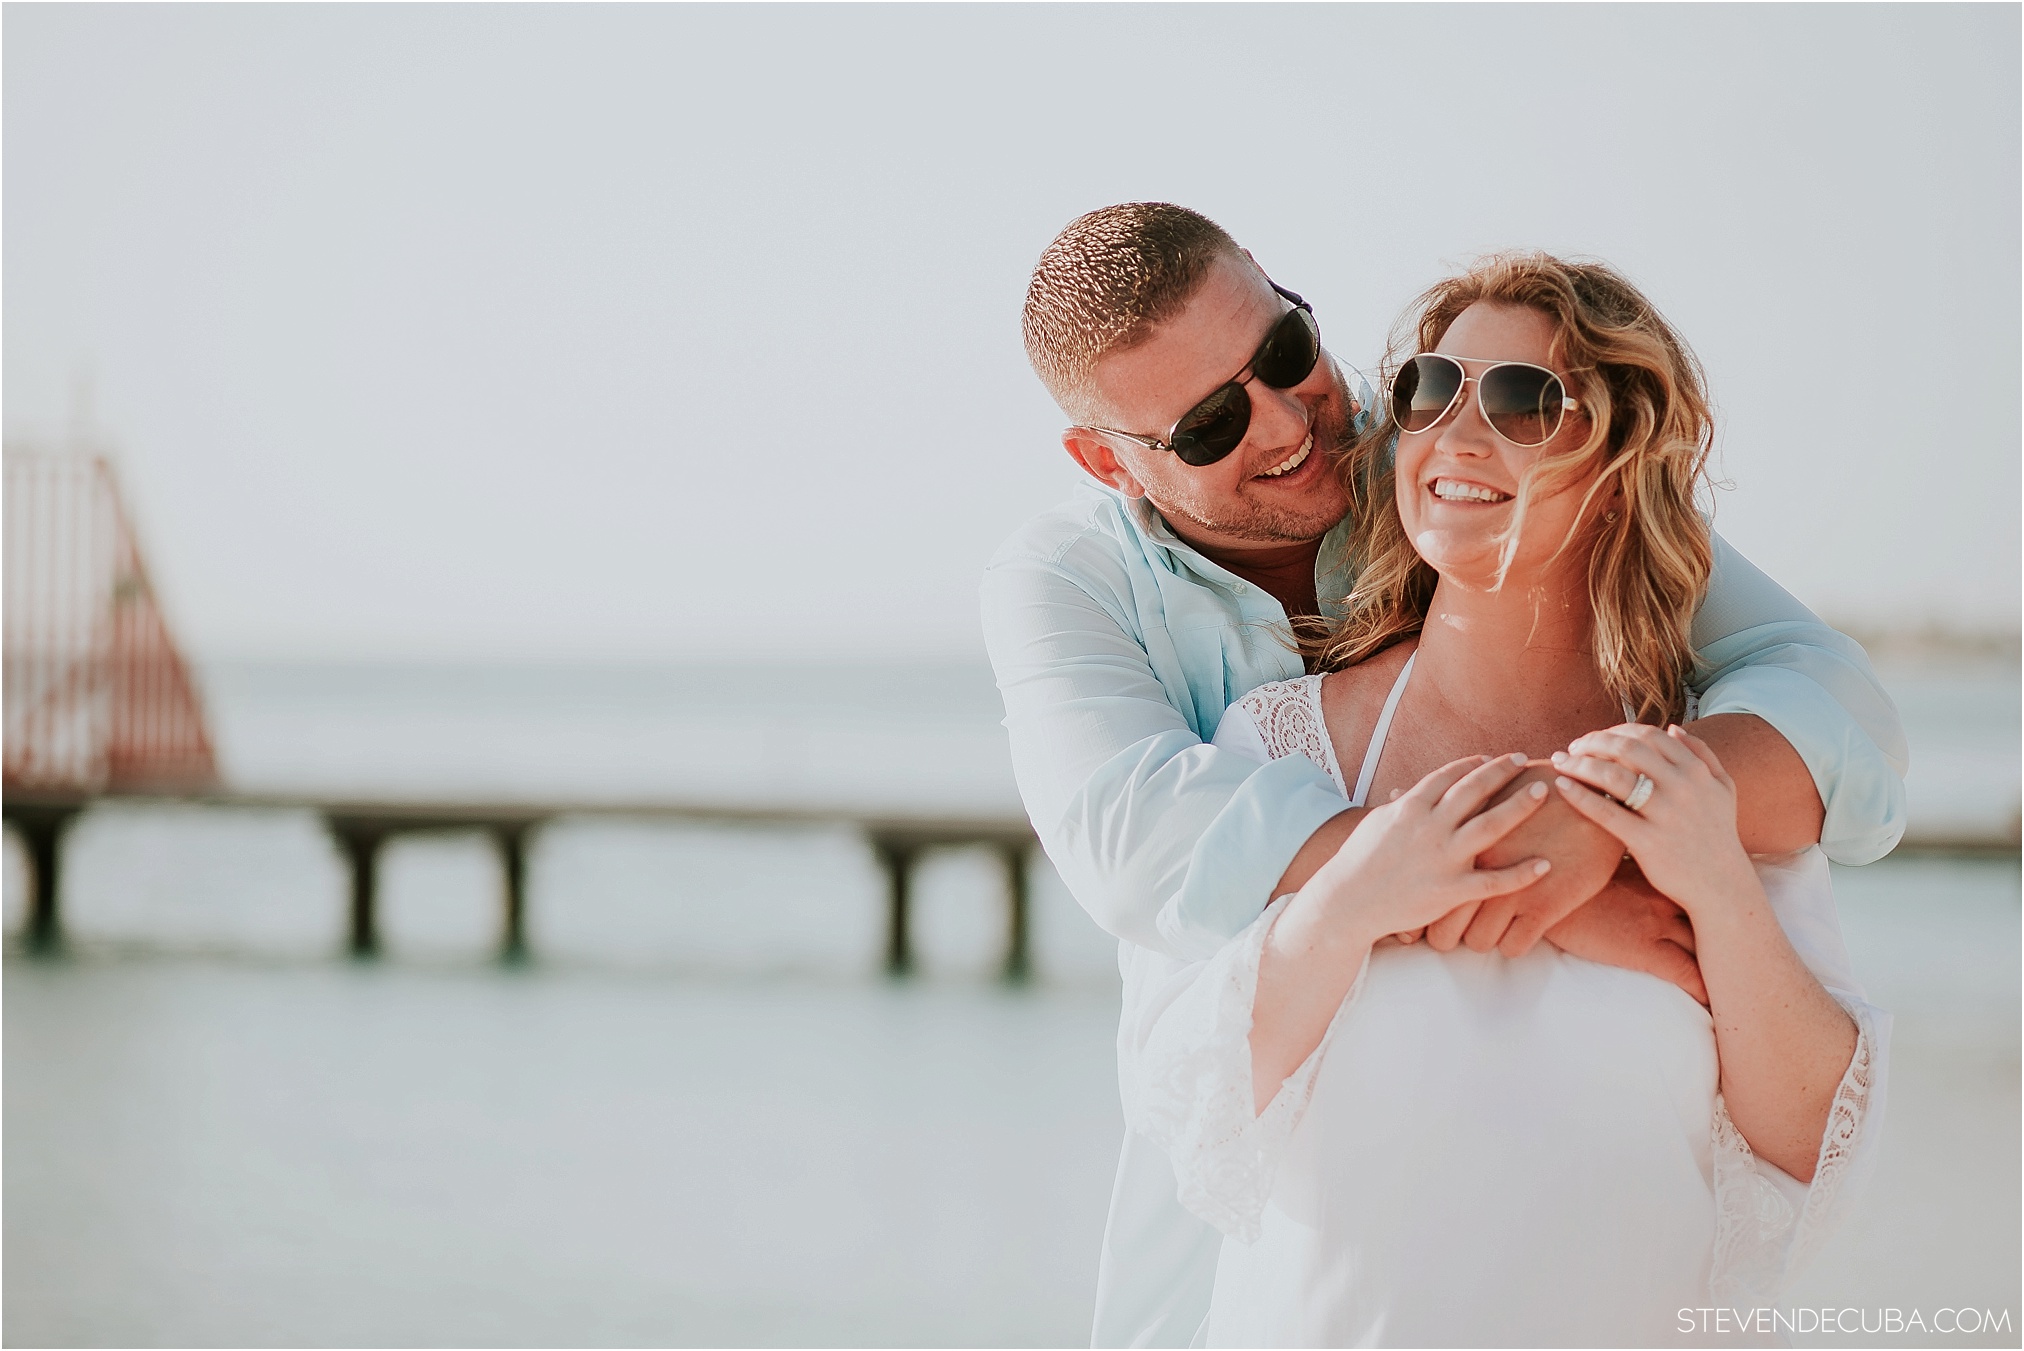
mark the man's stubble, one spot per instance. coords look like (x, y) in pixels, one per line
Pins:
(1272, 523)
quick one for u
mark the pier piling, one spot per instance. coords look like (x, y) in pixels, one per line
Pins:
(42, 827)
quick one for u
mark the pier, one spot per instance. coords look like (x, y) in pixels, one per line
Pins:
(360, 828)
(101, 706)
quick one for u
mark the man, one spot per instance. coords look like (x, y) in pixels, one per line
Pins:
(1123, 624)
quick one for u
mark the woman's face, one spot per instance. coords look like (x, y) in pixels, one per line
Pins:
(1443, 471)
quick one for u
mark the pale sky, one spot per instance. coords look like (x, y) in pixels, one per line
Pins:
(630, 331)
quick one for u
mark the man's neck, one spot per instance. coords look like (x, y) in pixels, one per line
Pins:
(1285, 571)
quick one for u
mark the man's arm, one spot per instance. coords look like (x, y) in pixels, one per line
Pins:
(1320, 848)
(1767, 655)
(1168, 842)
(1798, 719)
(1778, 807)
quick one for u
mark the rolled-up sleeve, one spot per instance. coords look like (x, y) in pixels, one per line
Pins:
(1764, 653)
(1170, 843)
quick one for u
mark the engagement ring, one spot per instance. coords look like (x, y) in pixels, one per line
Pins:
(1639, 794)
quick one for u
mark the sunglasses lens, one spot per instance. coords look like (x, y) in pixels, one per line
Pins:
(1423, 389)
(1522, 403)
(1214, 427)
(1291, 349)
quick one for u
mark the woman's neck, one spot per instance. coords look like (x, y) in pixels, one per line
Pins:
(1519, 659)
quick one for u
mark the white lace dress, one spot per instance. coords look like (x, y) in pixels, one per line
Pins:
(1482, 1151)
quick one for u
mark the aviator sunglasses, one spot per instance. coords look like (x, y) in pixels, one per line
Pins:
(1523, 403)
(1214, 427)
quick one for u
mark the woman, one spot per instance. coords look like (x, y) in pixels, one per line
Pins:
(1410, 1143)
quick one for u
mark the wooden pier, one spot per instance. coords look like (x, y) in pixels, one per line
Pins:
(100, 706)
(359, 828)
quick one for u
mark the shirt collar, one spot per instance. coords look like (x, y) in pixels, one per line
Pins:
(1333, 572)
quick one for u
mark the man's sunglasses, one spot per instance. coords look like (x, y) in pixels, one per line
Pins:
(1523, 403)
(1214, 427)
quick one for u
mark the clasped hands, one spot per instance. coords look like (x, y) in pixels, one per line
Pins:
(1593, 902)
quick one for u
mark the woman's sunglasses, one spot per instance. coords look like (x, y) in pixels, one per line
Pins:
(1214, 427)
(1523, 403)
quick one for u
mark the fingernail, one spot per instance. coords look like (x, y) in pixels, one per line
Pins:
(1559, 757)
(1518, 758)
(1541, 868)
(1563, 783)
(1537, 790)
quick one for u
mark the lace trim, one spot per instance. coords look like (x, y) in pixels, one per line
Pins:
(1288, 716)
(1196, 1093)
(1761, 1241)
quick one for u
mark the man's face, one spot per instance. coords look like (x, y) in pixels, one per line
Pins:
(1272, 490)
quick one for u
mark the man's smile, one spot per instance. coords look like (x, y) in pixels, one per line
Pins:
(1293, 461)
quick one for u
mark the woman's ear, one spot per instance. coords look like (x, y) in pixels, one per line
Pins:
(1099, 460)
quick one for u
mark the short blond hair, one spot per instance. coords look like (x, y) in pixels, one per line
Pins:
(1105, 283)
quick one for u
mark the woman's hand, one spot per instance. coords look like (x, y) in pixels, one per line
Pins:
(1413, 860)
(1782, 1041)
(1406, 864)
(1684, 835)
(1584, 857)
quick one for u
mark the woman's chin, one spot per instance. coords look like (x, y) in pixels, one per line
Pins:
(1459, 556)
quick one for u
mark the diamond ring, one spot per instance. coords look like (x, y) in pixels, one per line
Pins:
(1639, 794)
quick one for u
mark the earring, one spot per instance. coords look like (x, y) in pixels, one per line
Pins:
(1609, 516)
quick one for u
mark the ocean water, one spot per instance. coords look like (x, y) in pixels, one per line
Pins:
(700, 1115)
(1962, 719)
(897, 737)
(632, 892)
(923, 736)
(218, 1154)
(214, 1151)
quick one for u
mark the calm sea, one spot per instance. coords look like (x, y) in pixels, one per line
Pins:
(919, 736)
(699, 1117)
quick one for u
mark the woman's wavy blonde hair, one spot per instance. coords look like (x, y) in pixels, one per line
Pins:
(1645, 397)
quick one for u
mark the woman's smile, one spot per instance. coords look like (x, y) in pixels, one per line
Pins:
(1466, 491)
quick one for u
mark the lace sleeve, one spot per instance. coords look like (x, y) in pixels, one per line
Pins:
(1286, 719)
(1769, 1225)
(1190, 1090)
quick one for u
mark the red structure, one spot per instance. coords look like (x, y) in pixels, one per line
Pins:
(97, 698)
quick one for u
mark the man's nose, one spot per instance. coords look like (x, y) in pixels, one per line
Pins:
(1278, 419)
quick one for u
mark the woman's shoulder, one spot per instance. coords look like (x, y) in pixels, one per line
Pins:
(1377, 672)
(1352, 699)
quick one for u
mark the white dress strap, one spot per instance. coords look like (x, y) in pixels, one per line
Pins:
(1384, 721)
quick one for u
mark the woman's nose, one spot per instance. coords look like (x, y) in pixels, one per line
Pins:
(1466, 433)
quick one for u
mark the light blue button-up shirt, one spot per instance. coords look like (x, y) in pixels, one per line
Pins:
(1118, 646)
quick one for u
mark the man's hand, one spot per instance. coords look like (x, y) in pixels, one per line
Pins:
(1630, 925)
(1583, 856)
